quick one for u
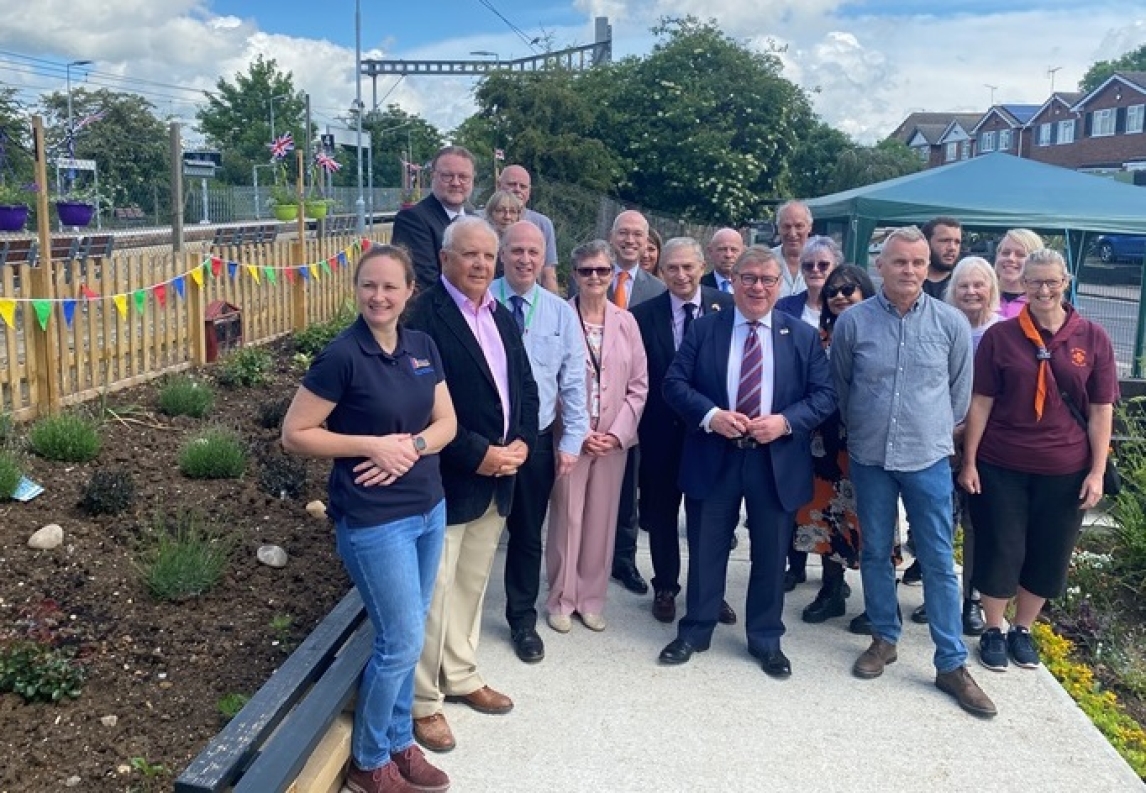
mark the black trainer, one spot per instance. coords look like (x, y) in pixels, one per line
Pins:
(1022, 648)
(993, 650)
(913, 575)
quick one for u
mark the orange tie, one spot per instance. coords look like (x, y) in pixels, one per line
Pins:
(621, 293)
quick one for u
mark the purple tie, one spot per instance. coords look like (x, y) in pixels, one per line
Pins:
(751, 366)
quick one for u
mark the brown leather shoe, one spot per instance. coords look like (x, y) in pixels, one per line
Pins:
(664, 606)
(386, 779)
(422, 776)
(959, 684)
(485, 700)
(871, 663)
(434, 733)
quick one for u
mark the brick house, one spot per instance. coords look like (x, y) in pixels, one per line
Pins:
(956, 143)
(1003, 129)
(922, 132)
(1110, 128)
(1054, 129)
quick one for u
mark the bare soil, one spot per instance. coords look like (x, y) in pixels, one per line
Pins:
(159, 668)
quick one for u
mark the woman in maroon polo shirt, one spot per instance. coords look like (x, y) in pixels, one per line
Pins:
(1030, 466)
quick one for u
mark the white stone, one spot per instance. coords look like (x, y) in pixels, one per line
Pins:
(72, 781)
(109, 721)
(272, 556)
(47, 538)
(316, 509)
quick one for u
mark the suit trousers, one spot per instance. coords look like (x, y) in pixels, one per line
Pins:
(660, 498)
(448, 666)
(523, 551)
(625, 543)
(582, 520)
(746, 474)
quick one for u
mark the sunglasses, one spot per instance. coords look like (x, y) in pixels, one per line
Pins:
(823, 267)
(600, 272)
(847, 290)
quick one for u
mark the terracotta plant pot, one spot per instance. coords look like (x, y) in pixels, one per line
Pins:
(13, 217)
(285, 212)
(73, 213)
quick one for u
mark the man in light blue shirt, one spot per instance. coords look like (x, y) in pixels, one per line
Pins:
(556, 353)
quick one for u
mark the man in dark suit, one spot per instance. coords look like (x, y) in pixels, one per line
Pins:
(723, 250)
(664, 320)
(750, 385)
(495, 396)
(419, 229)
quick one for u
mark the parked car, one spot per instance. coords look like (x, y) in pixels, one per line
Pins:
(1110, 248)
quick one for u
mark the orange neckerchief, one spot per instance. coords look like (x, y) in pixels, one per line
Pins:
(1027, 323)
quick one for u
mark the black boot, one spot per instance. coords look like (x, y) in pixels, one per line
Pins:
(829, 601)
(973, 622)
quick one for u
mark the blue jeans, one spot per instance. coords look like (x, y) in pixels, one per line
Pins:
(394, 566)
(927, 498)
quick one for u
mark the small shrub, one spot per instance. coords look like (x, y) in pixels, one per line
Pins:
(108, 492)
(67, 437)
(312, 339)
(270, 414)
(216, 453)
(185, 396)
(38, 672)
(230, 704)
(248, 366)
(283, 477)
(182, 559)
(6, 426)
(10, 473)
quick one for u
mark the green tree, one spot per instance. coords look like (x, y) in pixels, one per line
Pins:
(1099, 71)
(15, 140)
(237, 117)
(129, 143)
(395, 136)
(863, 165)
(812, 166)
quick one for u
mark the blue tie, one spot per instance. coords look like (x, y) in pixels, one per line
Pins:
(726, 286)
(517, 304)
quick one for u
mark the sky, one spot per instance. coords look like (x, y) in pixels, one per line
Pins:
(865, 63)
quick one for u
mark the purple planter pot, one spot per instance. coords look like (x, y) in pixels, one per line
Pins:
(13, 217)
(75, 214)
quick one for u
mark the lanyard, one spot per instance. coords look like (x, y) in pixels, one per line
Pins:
(589, 347)
(532, 303)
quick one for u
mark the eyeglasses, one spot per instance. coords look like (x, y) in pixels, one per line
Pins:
(1049, 283)
(514, 211)
(847, 290)
(751, 279)
(460, 178)
(822, 267)
(600, 272)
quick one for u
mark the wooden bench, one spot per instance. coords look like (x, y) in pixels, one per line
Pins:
(130, 215)
(266, 746)
(18, 251)
(337, 225)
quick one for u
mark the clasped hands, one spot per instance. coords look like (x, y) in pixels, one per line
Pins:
(762, 429)
(390, 457)
(503, 460)
(598, 444)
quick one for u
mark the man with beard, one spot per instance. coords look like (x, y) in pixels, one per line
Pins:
(945, 236)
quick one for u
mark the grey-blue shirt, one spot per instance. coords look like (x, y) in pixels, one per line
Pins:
(557, 356)
(903, 382)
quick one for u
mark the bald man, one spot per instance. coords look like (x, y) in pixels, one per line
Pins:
(722, 252)
(516, 180)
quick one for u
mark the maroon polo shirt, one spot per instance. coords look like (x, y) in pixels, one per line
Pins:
(1006, 369)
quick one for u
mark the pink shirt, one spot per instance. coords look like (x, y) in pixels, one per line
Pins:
(479, 316)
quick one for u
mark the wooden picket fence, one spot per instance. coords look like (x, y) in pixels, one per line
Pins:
(107, 347)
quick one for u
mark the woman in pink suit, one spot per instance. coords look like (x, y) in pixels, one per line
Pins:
(583, 509)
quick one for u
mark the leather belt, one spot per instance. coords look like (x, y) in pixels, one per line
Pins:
(745, 443)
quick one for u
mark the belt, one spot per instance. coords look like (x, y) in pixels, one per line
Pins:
(745, 442)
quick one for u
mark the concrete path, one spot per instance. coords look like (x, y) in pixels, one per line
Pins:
(599, 714)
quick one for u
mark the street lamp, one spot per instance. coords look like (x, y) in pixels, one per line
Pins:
(360, 204)
(271, 103)
(68, 73)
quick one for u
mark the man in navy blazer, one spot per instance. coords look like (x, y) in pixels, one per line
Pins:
(750, 386)
(419, 229)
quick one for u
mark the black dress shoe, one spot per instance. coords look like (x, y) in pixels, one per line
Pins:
(678, 652)
(727, 615)
(825, 606)
(860, 625)
(631, 580)
(973, 622)
(528, 645)
(774, 663)
(664, 606)
(920, 615)
(792, 578)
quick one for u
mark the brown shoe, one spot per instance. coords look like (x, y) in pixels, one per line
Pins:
(386, 779)
(414, 768)
(485, 700)
(664, 606)
(434, 733)
(871, 663)
(959, 684)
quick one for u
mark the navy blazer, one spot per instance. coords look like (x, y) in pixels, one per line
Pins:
(697, 381)
(419, 230)
(792, 305)
(477, 402)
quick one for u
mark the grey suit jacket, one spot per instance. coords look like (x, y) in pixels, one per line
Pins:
(644, 286)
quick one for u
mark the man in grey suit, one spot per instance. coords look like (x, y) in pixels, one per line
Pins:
(631, 286)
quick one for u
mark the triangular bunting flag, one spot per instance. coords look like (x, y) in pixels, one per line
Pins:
(331, 262)
(43, 312)
(305, 273)
(232, 269)
(365, 245)
(197, 276)
(179, 284)
(313, 270)
(216, 266)
(326, 267)
(87, 293)
(269, 272)
(69, 311)
(8, 312)
(254, 271)
(160, 292)
(140, 299)
(120, 304)
(342, 259)
(290, 274)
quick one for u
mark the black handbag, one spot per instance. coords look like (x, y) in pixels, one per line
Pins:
(1111, 479)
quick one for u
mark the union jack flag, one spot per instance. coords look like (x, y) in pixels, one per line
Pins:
(280, 146)
(93, 118)
(326, 162)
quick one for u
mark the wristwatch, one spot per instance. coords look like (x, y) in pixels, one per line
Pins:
(419, 444)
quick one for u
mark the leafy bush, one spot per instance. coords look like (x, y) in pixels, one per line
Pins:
(67, 437)
(182, 558)
(10, 473)
(108, 492)
(270, 414)
(38, 672)
(283, 477)
(216, 453)
(182, 395)
(247, 366)
(312, 339)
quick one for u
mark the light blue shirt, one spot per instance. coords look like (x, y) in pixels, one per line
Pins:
(546, 226)
(557, 356)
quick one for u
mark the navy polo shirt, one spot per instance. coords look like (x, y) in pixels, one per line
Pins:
(379, 394)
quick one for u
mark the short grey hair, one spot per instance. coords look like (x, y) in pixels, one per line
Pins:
(972, 265)
(592, 250)
(464, 223)
(816, 244)
(756, 254)
(910, 234)
(793, 206)
(1044, 257)
(684, 243)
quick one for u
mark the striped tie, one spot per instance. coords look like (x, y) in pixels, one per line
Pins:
(751, 367)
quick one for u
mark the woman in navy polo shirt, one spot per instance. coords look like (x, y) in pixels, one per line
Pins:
(1030, 466)
(375, 401)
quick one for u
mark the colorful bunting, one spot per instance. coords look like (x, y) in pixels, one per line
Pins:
(197, 276)
(326, 267)
(120, 304)
(140, 297)
(160, 292)
(87, 293)
(254, 271)
(69, 311)
(179, 285)
(216, 266)
(269, 272)
(232, 269)
(8, 312)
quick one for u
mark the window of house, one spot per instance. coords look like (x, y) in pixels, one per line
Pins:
(951, 151)
(965, 150)
(1066, 131)
(923, 152)
(1135, 115)
(987, 142)
(1102, 122)
(1045, 134)
(1004, 140)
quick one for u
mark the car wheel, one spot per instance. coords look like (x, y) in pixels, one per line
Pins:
(1106, 252)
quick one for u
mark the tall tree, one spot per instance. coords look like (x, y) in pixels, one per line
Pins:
(237, 117)
(398, 136)
(1099, 71)
(15, 140)
(812, 165)
(863, 165)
